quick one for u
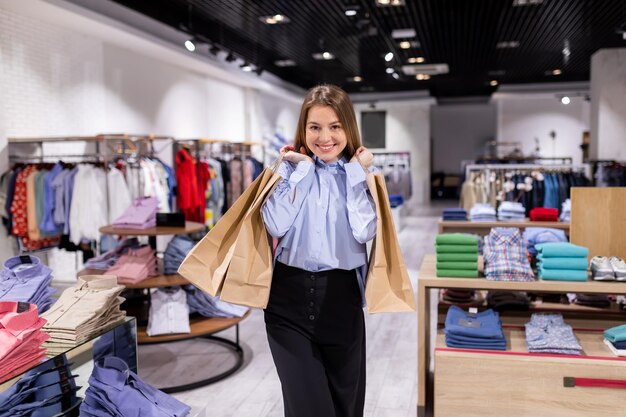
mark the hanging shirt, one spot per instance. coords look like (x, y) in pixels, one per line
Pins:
(322, 215)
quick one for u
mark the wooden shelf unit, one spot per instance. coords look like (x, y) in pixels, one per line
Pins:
(152, 282)
(483, 228)
(428, 281)
(190, 227)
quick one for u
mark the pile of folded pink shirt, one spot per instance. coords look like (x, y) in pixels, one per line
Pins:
(140, 215)
(135, 266)
(21, 338)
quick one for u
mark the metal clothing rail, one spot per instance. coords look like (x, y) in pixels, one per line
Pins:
(528, 167)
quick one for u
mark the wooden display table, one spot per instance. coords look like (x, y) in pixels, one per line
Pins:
(153, 282)
(190, 227)
(483, 228)
(428, 280)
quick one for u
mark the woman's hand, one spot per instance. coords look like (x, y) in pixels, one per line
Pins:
(365, 157)
(289, 154)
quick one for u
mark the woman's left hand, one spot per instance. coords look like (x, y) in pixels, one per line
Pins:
(365, 157)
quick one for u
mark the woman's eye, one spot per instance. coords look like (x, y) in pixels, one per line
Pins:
(335, 128)
(314, 128)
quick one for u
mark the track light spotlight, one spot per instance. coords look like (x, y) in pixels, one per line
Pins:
(190, 45)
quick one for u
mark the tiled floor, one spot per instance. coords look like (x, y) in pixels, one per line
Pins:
(255, 390)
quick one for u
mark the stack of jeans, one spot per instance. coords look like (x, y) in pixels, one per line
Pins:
(135, 266)
(115, 390)
(482, 212)
(46, 390)
(140, 215)
(110, 258)
(548, 333)
(510, 210)
(21, 337)
(562, 262)
(454, 214)
(457, 255)
(474, 331)
(615, 339)
(208, 306)
(175, 253)
(26, 279)
(536, 235)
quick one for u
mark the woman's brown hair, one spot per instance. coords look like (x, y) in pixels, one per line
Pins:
(337, 99)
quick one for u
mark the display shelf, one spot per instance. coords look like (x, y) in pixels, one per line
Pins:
(190, 227)
(200, 326)
(483, 228)
(152, 282)
(428, 281)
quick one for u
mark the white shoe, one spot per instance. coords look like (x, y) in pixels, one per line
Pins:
(619, 267)
(601, 269)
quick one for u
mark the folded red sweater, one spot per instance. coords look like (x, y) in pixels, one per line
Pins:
(544, 214)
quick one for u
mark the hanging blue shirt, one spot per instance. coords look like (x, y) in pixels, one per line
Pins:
(323, 215)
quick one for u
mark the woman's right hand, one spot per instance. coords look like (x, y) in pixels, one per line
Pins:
(289, 154)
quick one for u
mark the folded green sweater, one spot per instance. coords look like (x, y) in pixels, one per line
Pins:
(456, 248)
(616, 334)
(457, 265)
(457, 257)
(457, 273)
(561, 250)
(456, 239)
(562, 274)
(563, 263)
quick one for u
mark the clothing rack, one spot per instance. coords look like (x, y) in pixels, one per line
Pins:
(526, 167)
(385, 159)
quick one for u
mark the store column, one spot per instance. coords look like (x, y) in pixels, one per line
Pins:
(608, 105)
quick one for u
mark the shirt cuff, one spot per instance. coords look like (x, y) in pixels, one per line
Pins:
(354, 173)
(301, 171)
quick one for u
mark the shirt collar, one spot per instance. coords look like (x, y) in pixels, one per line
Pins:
(505, 235)
(97, 282)
(36, 268)
(112, 371)
(338, 164)
(16, 322)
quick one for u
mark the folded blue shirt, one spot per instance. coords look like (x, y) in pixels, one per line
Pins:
(562, 274)
(562, 263)
(561, 250)
(485, 325)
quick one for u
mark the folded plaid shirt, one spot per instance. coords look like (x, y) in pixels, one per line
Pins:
(505, 257)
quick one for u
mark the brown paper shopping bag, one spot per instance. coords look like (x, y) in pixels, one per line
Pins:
(206, 264)
(249, 277)
(388, 288)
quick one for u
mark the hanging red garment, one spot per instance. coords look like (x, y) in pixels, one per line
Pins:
(188, 198)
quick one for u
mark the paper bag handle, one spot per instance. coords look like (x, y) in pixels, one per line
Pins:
(361, 163)
(274, 165)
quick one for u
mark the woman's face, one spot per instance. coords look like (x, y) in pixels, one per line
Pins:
(325, 136)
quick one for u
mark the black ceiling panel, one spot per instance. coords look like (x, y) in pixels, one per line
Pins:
(460, 33)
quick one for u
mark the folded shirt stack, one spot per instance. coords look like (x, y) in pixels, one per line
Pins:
(135, 266)
(566, 211)
(508, 300)
(140, 215)
(548, 333)
(21, 337)
(536, 235)
(25, 278)
(590, 300)
(115, 390)
(455, 296)
(454, 214)
(457, 255)
(544, 214)
(47, 390)
(615, 339)
(504, 254)
(208, 306)
(482, 212)
(87, 308)
(562, 261)
(175, 253)
(474, 331)
(511, 210)
(109, 258)
(169, 312)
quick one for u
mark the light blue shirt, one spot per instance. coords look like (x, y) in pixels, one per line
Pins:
(323, 215)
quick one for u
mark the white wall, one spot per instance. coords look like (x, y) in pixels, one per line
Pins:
(57, 81)
(608, 105)
(408, 129)
(524, 118)
(459, 132)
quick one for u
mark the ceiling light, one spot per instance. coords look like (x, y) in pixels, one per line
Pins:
(323, 56)
(395, 75)
(390, 70)
(518, 3)
(416, 60)
(507, 44)
(405, 44)
(556, 72)
(422, 77)
(430, 69)
(350, 12)
(275, 19)
(403, 33)
(357, 79)
(190, 45)
(285, 63)
(230, 57)
(565, 100)
(245, 67)
(493, 83)
(384, 3)
(389, 56)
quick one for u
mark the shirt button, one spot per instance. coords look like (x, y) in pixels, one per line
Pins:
(312, 290)
(312, 277)
(312, 304)
(311, 317)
